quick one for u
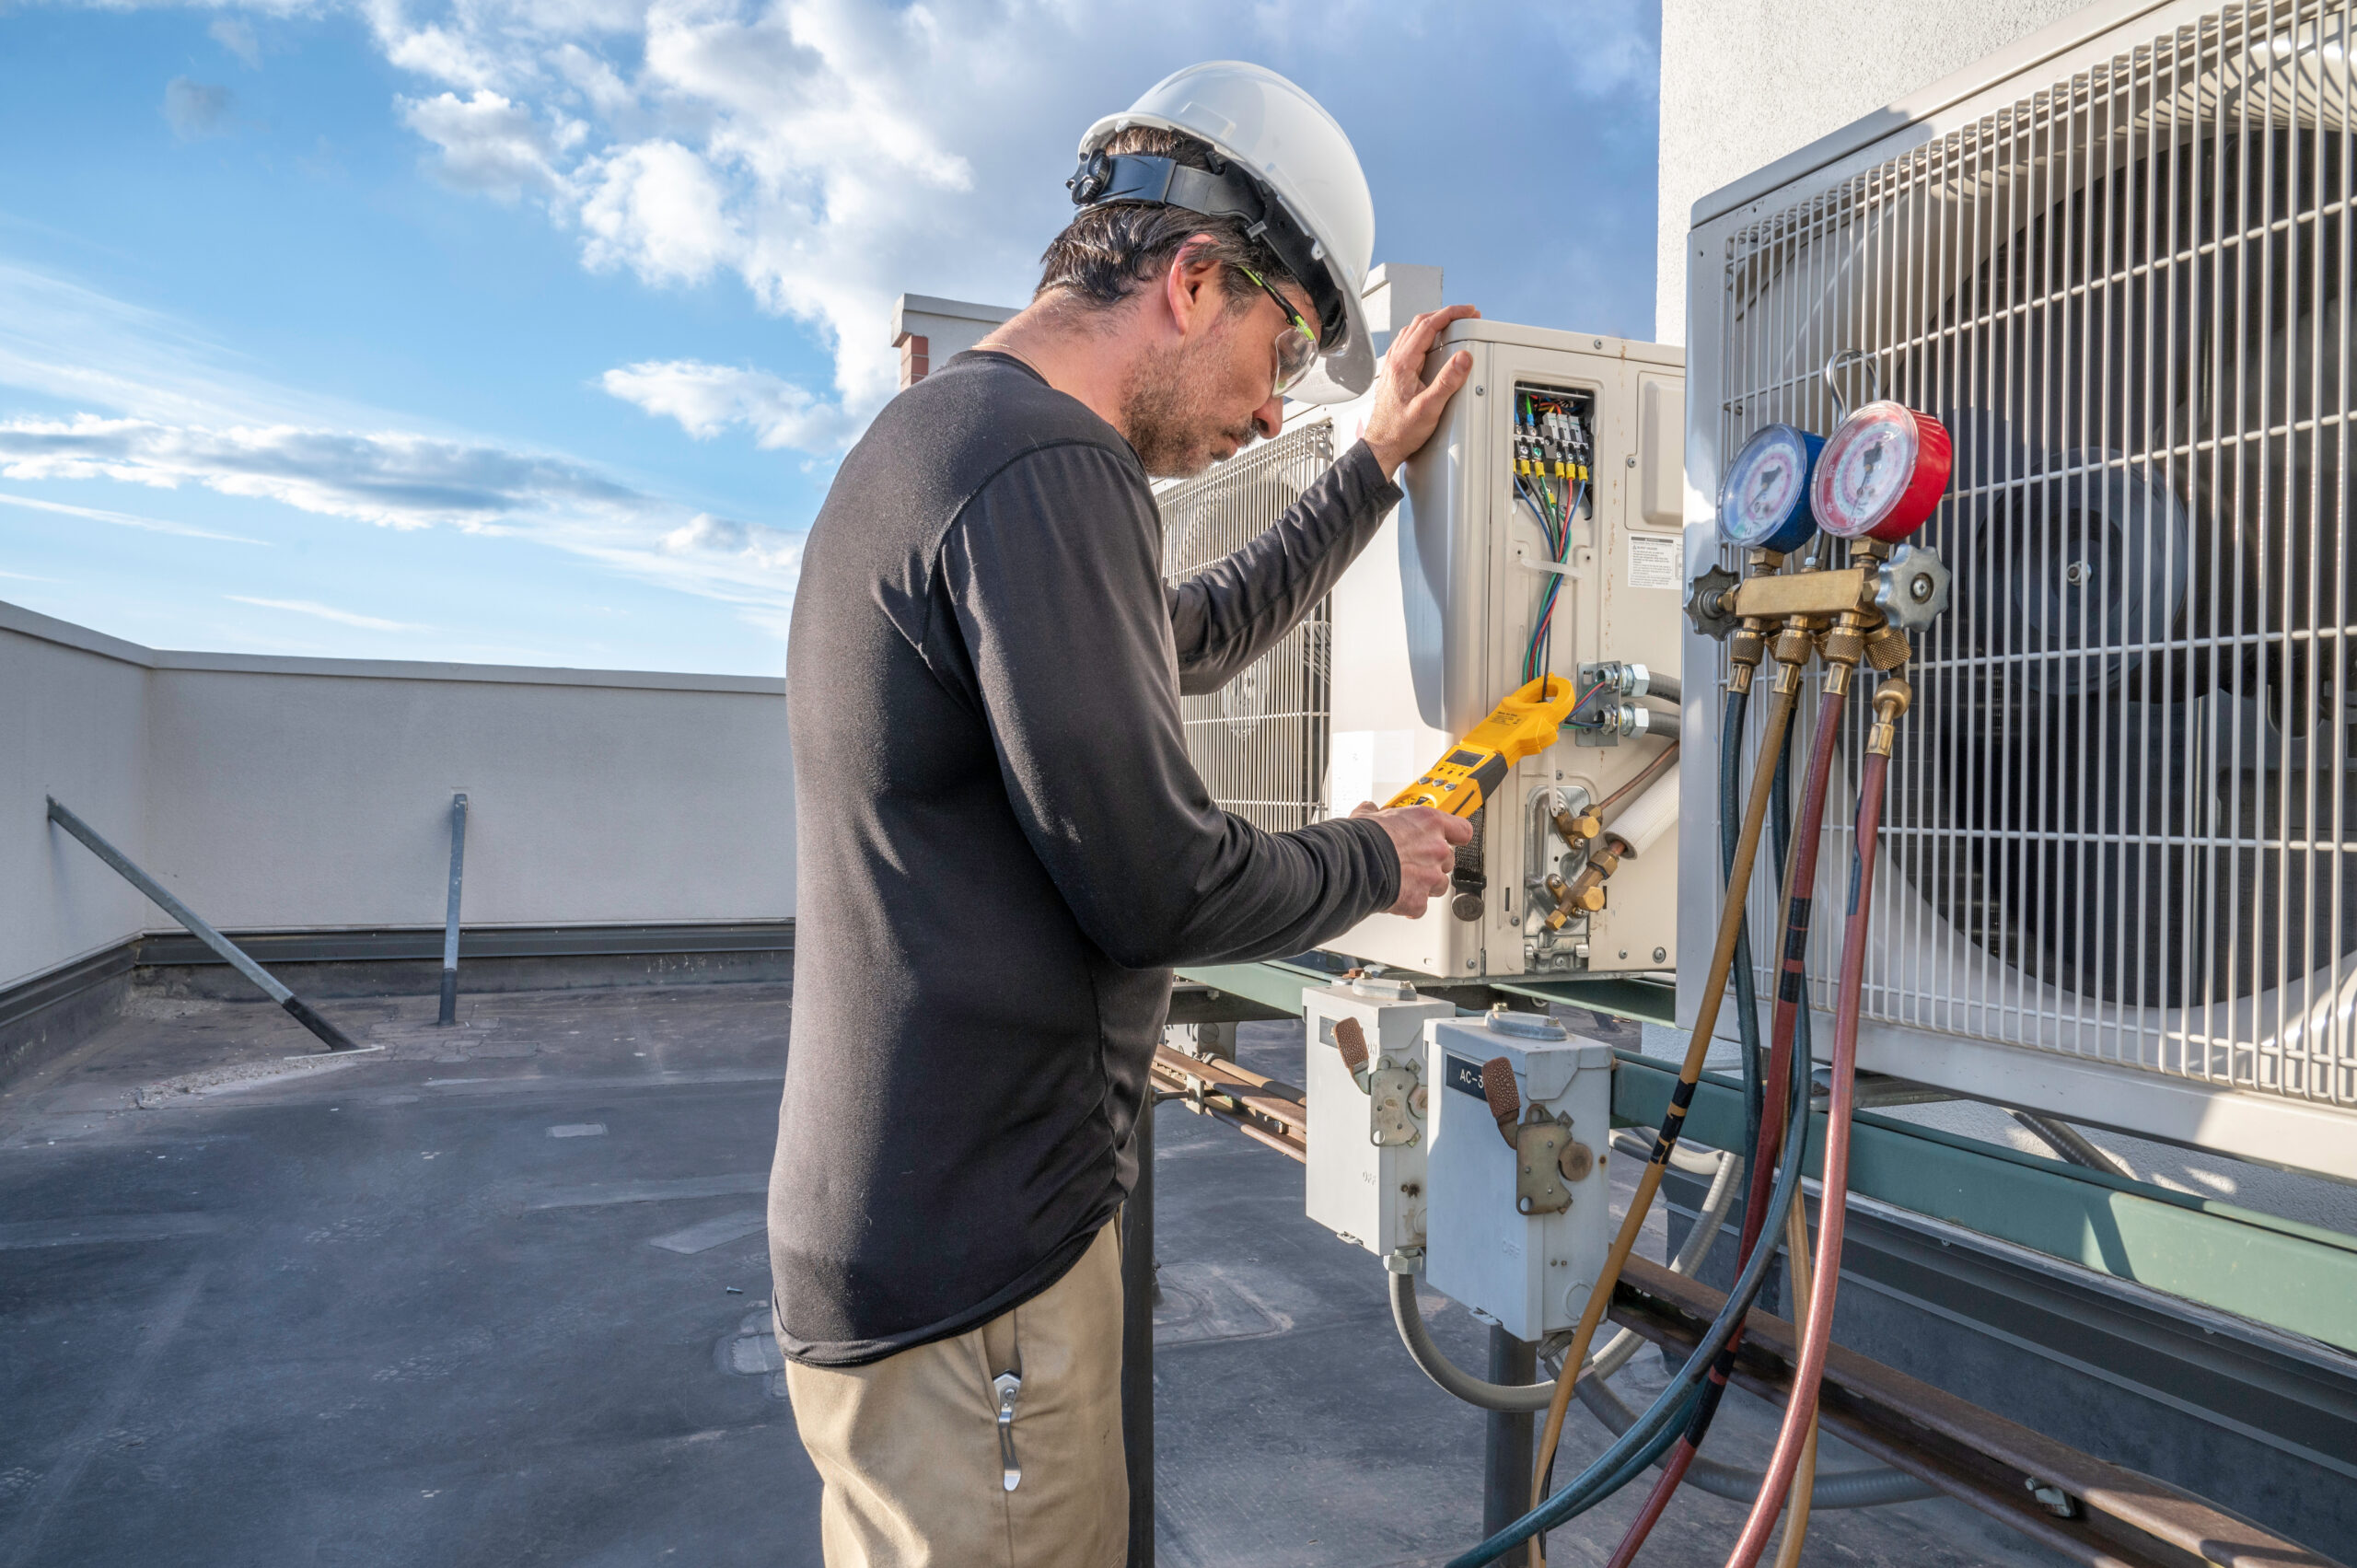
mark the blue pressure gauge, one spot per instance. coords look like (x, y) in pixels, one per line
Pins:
(1764, 502)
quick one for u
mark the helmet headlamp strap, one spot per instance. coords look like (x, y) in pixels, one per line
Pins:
(1103, 179)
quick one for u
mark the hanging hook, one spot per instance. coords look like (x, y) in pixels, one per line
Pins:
(1842, 361)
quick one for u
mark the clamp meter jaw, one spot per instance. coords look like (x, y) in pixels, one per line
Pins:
(1472, 770)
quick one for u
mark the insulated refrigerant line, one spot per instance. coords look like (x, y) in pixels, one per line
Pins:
(228, 951)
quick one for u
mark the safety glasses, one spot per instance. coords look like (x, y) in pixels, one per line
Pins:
(1297, 341)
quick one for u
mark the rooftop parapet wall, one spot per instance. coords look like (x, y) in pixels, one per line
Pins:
(298, 794)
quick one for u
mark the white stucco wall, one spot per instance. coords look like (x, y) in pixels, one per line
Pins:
(1745, 82)
(290, 794)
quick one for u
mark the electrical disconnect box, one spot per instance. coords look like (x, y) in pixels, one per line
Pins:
(1541, 534)
(1369, 1110)
(1518, 1218)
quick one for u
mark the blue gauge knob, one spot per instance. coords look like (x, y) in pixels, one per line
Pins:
(1764, 502)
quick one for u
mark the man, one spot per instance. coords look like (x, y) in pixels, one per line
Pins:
(1003, 849)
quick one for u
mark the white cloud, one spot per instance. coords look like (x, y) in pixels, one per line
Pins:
(709, 399)
(121, 519)
(183, 412)
(83, 348)
(196, 109)
(392, 479)
(767, 548)
(831, 154)
(405, 481)
(826, 155)
(328, 612)
(489, 144)
(658, 209)
(237, 39)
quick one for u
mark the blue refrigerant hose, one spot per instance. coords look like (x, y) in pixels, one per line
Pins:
(1659, 1428)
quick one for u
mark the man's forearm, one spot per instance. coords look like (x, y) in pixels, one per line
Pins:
(1235, 609)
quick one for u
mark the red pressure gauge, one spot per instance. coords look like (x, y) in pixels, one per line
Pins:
(1882, 473)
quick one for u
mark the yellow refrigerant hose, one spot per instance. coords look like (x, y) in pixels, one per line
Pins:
(1698, 1046)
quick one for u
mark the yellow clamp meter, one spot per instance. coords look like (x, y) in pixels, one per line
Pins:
(1523, 725)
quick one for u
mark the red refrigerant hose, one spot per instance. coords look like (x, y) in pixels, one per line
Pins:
(1800, 881)
(1816, 1335)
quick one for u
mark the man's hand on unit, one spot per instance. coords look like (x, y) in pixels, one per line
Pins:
(1406, 410)
(1426, 840)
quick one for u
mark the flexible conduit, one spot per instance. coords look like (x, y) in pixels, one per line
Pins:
(1533, 1397)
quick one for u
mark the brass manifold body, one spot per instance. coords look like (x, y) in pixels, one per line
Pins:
(1888, 589)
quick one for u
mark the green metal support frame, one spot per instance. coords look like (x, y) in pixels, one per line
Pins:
(2297, 1278)
(2290, 1276)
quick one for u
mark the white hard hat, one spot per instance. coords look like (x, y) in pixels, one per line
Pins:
(1322, 224)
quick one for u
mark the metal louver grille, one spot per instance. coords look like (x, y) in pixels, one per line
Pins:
(1261, 741)
(2123, 814)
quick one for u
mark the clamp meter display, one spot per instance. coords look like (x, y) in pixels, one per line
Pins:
(1471, 772)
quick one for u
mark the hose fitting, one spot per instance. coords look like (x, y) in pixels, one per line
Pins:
(1848, 642)
(1577, 831)
(1586, 892)
(1892, 699)
(1795, 643)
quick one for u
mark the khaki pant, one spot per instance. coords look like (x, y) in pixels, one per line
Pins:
(909, 1449)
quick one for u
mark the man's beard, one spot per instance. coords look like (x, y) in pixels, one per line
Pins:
(1168, 416)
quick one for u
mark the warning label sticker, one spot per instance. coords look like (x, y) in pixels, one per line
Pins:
(1657, 561)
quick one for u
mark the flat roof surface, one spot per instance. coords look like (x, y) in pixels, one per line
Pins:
(467, 1301)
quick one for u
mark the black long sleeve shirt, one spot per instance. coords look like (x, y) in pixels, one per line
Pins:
(1002, 847)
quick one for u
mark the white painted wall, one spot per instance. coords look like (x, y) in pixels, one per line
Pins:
(289, 793)
(1745, 82)
(73, 724)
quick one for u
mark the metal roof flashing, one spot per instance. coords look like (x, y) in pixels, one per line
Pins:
(65, 633)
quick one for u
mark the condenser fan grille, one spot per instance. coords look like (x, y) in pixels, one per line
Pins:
(1260, 742)
(2126, 804)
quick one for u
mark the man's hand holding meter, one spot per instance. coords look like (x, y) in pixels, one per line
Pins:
(1428, 841)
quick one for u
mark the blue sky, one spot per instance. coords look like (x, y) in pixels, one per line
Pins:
(531, 331)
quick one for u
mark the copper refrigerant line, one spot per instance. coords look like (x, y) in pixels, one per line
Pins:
(1591, 828)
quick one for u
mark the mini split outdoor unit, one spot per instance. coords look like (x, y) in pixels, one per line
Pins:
(1432, 626)
(2122, 833)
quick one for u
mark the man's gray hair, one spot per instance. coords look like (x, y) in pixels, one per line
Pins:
(1108, 253)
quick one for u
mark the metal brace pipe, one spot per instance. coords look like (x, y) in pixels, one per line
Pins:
(230, 953)
(450, 1014)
